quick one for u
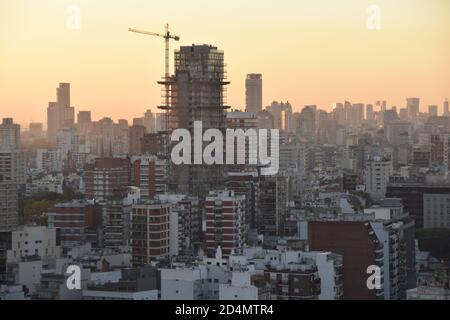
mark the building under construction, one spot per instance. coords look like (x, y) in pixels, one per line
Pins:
(196, 92)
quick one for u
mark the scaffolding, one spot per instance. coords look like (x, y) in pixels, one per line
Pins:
(196, 92)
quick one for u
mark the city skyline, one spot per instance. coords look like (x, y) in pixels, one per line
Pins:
(302, 50)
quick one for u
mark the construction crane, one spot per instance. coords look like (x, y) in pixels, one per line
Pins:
(167, 36)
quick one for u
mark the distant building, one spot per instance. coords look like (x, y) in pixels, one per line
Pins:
(60, 115)
(137, 132)
(413, 106)
(253, 92)
(12, 165)
(9, 134)
(432, 111)
(376, 176)
(49, 161)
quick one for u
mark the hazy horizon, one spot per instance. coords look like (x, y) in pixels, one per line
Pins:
(309, 53)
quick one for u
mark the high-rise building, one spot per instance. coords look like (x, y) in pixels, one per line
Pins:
(197, 92)
(244, 121)
(60, 115)
(152, 143)
(282, 115)
(225, 222)
(9, 134)
(362, 241)
(9, 205)
(48, 161)
(376, 176)
(413, 194)
(185, 224)
(36, 130)
(272, 205)
(137, 132)
(399, 133)
(246, 183)
(150, 175)
(436, 210)
(116, 217)
(78, 221)
(84, 117)
(104, 176)
(446, 108)
(12, 165)
(413, 106)
(63, 95)
(307, 123)
(160, 122)
(370, 116)
(149, 121)
(253, 92)
(432, 111)
(358, 109)
(150, 232)
(67, 142)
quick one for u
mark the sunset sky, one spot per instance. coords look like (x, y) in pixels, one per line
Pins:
(309, 52)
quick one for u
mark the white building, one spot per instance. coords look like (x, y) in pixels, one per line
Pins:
(239, 289)
(67, 142)
(376, 176)
(48, 160)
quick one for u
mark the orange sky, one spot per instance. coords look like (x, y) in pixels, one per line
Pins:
(309, 52)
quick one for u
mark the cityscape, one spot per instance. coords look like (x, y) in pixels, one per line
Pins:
(198, 199)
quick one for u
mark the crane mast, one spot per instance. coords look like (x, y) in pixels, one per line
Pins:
(167, 37)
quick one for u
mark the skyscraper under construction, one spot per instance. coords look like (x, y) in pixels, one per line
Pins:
(196, 92)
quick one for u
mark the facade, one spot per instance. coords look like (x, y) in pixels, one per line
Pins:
(225, 222)
(360, 248)
(9, 134)
(376, 176)
(306, 127)
(104, 176)
(185, 224)
(246, 184)
(272, 204)
(150, 232)
(78, 222)
(137, 132)
(150, 175)
(412, 195)
(9, 204)
(49, 161)
(116, 217)
(436, 210)
(12, 165)
(67, 142)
